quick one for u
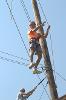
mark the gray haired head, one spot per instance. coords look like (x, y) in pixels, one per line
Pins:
(32, 23)
(22, 90)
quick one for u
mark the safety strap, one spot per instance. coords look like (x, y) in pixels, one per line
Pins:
(39, 83)
(34, 41)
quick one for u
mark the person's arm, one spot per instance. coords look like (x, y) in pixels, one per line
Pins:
(26, 95)
(39, 26)
(29, 93)
(45, 35)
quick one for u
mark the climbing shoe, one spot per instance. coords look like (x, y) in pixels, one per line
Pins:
(35, 71)
(31, 65)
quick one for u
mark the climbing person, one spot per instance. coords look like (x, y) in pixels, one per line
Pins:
(35, 48)
(23, 95)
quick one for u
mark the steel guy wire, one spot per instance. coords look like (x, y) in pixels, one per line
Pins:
(43, 11)
(44, 87)
(53, 56)
(16, 26)
(25, 10)
(58, 74)
(11, 6)
(41, 95)
(13, 55)
(42, 92)
(13, 61)
(61, 76)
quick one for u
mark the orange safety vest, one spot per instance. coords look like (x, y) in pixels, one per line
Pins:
(32, 35)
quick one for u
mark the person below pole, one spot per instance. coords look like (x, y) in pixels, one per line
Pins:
(23, 95)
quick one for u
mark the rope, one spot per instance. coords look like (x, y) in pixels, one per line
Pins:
(25, 10)
(13, 61)
(16, 26)
(40, 82)
(13, 55)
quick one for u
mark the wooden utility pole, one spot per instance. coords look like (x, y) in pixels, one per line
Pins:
(47, 62)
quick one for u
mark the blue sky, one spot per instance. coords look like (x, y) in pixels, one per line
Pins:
(14, 76)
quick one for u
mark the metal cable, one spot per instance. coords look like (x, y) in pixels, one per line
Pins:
(43, 11)
(25, 10)
(53, 57)
(42, 92)
(41, 95)
(16, 26)
(11, 6)
(13, 55)
(61, 76)
(13, 61)
(57, 74)
(44, 87)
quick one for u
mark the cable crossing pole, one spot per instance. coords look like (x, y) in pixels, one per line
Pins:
(47, 62)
